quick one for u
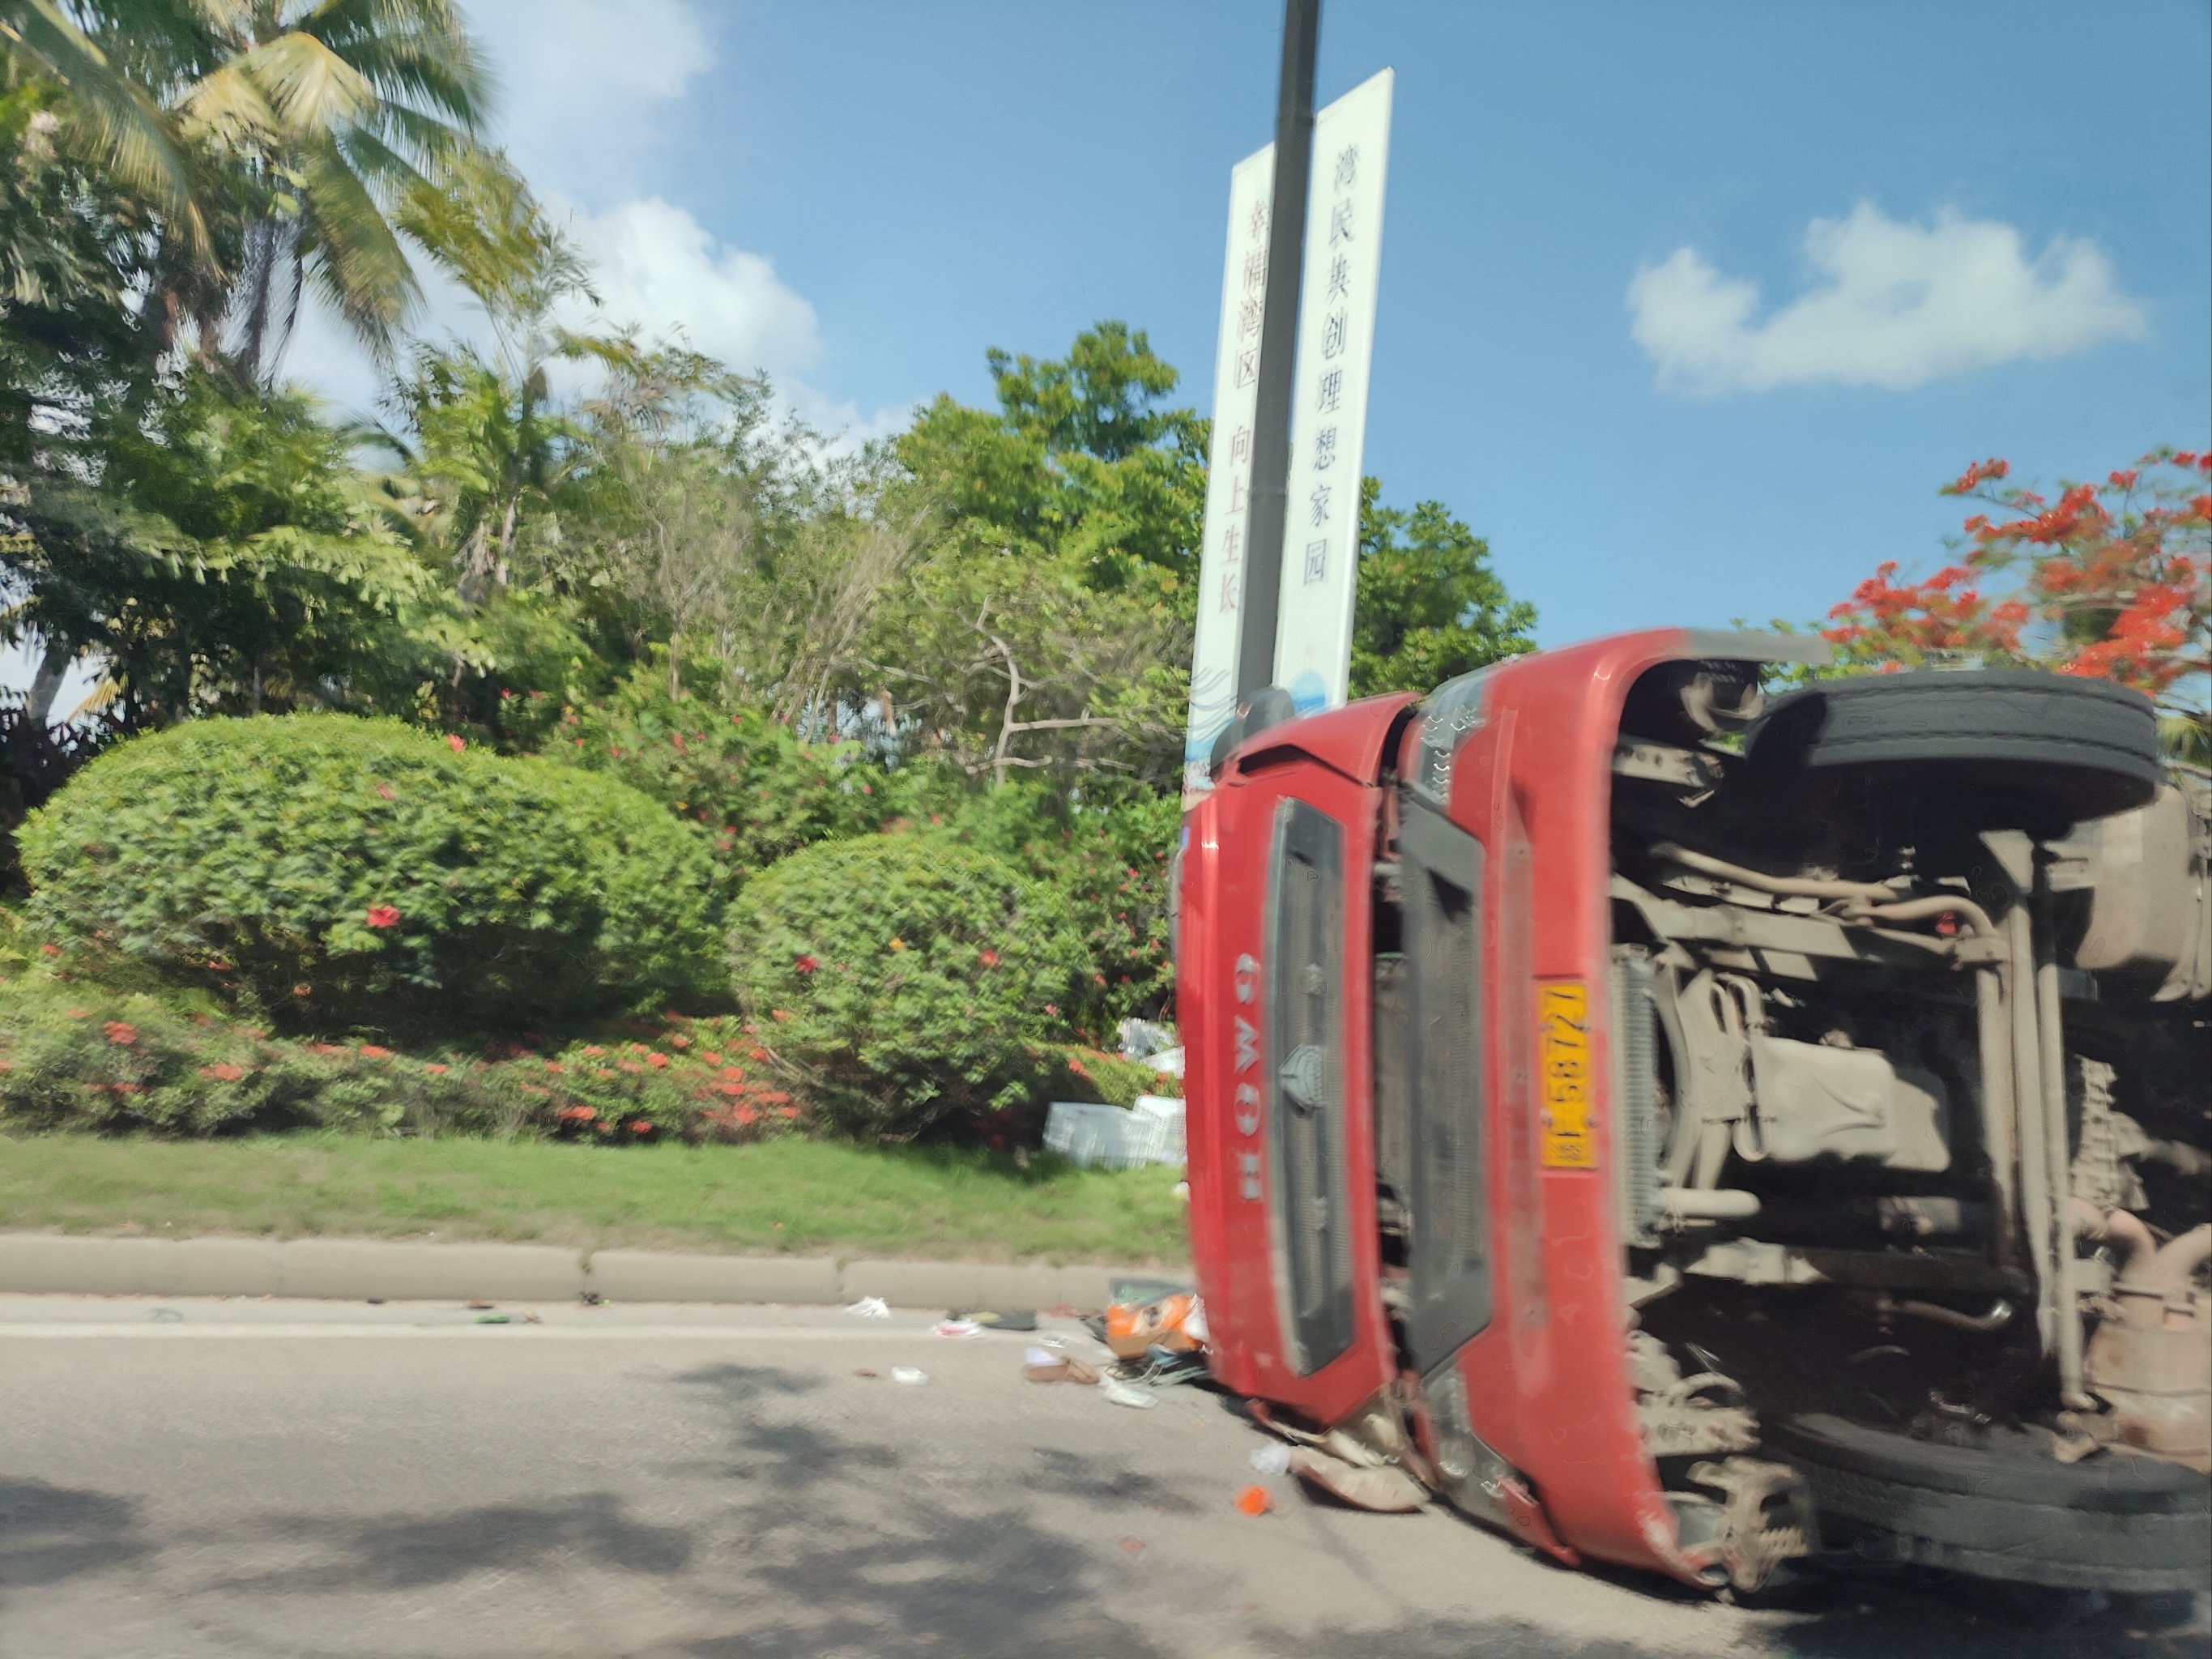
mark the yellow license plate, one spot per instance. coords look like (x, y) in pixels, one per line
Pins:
(1562, 1017)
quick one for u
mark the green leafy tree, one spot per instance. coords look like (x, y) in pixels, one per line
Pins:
(227, 558)
(1082, 459)
(1429, 607)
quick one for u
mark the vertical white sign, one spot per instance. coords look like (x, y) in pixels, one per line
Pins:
(1328, 416)
(1222, 557)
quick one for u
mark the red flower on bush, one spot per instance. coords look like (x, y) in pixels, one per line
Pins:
(680, 1040)
(455, 744)
(387, 791)
(787, 1111)
(758, 1054)
(628, 1066)
(639, 1125)
(50, 950)
(779, 1013)
(990, 958)
(78, 1013)
(575, 1114)
(593, 1050)
(121, 1033)
(553, 1067)
(710, 1057)
(370, 1051)
(746, 1114)
(805, 964)
(435, 1069)
(383, 915)
(658, 1062)
(223, 1071)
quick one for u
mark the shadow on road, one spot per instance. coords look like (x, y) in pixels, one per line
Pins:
(409, 1550)
(49, 1533)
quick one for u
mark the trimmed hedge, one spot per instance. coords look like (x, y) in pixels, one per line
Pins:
(909, 978)
(347, 871)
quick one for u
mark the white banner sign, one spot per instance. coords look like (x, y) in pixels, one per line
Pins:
(1328, 416)
(1229, 477)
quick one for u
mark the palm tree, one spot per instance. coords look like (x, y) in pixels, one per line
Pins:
(290, 144)
(340, 115)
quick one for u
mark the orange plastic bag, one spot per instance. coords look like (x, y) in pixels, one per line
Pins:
(1133, 1327)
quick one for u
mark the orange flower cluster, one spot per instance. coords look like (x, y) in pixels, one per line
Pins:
(2114, 581)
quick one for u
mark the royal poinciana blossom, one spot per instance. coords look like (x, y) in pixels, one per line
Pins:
(2111, 580)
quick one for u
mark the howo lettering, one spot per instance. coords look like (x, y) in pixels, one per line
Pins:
(1694, 1131)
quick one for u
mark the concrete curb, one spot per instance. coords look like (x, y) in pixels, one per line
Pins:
(351, 1269)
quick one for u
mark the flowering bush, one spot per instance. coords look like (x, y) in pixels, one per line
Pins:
(345, 870)
(2112, 579)
(747, 780)
(905, 979)
(75, 1054)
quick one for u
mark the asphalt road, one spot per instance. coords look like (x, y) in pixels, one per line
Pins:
(234, 1479)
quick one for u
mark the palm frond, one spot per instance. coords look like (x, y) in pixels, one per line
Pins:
(118, 116)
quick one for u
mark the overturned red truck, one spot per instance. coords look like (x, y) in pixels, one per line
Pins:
(1694, 1131)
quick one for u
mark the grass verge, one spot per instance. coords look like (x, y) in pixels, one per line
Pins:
(803, 1197)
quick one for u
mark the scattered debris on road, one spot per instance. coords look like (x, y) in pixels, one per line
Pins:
(1254, 1500)
(870, 1307)
(912, 1376)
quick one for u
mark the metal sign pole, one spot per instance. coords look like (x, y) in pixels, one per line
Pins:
(1271, 435)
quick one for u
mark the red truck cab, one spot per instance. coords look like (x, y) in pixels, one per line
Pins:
(1609, 1108)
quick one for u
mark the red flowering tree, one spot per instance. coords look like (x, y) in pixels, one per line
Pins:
(2111, 580)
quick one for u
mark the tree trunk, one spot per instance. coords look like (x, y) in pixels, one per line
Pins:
(46, 682)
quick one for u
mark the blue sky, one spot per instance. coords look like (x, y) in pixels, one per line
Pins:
(862, 196)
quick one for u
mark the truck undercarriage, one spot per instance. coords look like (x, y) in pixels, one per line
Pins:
(1912, 1089)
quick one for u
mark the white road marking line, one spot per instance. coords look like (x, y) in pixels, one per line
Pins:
(184, 1329)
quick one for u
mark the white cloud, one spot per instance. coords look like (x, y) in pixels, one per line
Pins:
(1891, 305)
(584, 85)
(655, 265)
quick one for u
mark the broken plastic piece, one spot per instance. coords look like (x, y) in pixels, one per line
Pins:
(1122, 1395)
(958, 1327)
(870, 1307)
(909, 1376)
(1002, 1319)
(163, 1315)
(1254, 1500)
(1271, 1459)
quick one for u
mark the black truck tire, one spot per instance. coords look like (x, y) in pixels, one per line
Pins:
(2061, 749)
(2118, 1521)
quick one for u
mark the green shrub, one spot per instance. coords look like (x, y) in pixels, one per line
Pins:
(911, 978)
(1110, 865)
(345, 870)
(756, 789)
(1094, 1075)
